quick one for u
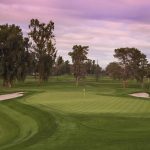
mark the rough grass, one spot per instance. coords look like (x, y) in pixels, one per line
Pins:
(58, 116)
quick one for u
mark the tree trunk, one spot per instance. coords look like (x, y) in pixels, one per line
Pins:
(7, 83)
(142, 84)
(97, 78)
(77, 81)
(35, 75)
(40, 72)
(40, 79)
(148, 80)
(125, 83)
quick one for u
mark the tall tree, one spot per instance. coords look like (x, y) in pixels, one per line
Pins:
(79, 56)
(133, 63)
(90, 67)
(24, 61)
(44, 45)
(93, 69)
(11, 49)
(123, 55)
(59, 65)
(138, 65)
(97, 71)
(66, 67)
(114, 70)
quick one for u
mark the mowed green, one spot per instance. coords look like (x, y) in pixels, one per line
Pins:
(59, 116)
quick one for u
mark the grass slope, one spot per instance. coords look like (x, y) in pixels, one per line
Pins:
(58, 116)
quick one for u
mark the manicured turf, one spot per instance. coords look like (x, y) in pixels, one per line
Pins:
(59, 116)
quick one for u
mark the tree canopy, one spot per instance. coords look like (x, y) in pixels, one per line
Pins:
(11, 52)
(79, 56)
(114, 70)
(43, 43)
(133, 63)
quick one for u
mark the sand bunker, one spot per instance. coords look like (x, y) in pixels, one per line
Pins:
(142, 95)
(10, 96)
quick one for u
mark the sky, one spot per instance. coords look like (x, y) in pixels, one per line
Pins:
(103, 25)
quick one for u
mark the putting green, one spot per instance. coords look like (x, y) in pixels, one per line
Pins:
(61, 117)
(76, 102)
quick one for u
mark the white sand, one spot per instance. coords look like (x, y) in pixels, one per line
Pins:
(142, 95)
(10, 96)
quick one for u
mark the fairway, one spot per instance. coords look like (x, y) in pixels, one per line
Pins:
(59, 116)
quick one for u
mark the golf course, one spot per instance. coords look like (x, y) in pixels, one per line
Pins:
(57, 115)
(74, 75)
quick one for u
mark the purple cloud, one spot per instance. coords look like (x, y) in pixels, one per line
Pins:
(133, 10)
(102, 24)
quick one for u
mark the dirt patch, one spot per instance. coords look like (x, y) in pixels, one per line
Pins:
(142, 95)
(11, 96)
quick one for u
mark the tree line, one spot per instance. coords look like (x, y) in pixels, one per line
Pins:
(36, 55)
(132, 64)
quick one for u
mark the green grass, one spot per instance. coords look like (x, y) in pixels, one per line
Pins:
(58, 116)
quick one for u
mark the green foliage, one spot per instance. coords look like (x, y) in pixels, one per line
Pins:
(67, 67)
(133, 63)
(25, 61)
(93, 69)
(138, 64)
(59, 66)
(123, 55)
(44, 46)
(79, 56)
(114, 70)
(11, 53)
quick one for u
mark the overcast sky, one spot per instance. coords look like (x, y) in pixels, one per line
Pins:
(103, 25)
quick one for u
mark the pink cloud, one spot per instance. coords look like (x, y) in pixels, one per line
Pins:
(102, 24)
